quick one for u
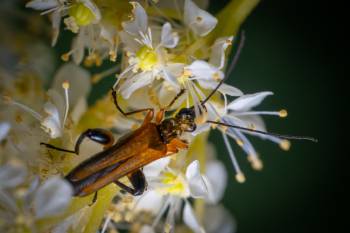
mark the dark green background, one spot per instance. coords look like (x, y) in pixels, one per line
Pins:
(292, 49)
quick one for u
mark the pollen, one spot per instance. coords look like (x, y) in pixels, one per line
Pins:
(112, 56)
(82, 15)
(65, 57)
(65, 85)
(187, 73)
(147, 58)
(240, 142)
(285, 145)
(255, 162)
(96, 78)
(202, 118)
(240, 177)
(216, 76)
(283, 113)
(199, 19)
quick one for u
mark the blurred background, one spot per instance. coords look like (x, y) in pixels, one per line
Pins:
(292, 48)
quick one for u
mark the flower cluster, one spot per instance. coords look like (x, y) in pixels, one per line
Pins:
(153, 50)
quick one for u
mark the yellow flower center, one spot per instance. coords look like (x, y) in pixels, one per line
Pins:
(147, 58)
(82, 15)
(175, 185)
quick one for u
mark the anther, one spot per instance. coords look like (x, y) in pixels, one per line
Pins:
(199, 19)
(285, 145)
(239, 142)
(65, 85)
(216, 76)
(255, 162)
(283, 113)
(65, 57)
(240, 177)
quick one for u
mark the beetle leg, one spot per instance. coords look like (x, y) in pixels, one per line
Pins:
(100, 136)
(175, 145)
(160, 116)
(138, 181)
(115, 100)
(175, 98)
(94, 199)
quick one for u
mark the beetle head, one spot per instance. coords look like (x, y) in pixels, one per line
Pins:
(186, 119)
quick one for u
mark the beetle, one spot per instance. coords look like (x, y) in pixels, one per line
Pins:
(150, 142)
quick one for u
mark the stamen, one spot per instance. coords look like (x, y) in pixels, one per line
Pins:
(240, 177)
(283, 113)
(65, 86)
(32, 112)
(97, 77)
(105, 224)
(239, 142)
(256, 163)
(239, 174)
(285, 145)
(199, 19)
(65, 56)
(162, 210)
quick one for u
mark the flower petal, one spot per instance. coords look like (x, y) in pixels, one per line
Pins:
(7, 201)
(202, 70)
(230, 90)
(139, 22)
(169, 39)
(190, 219)
(155, 168)
(200, 21)
(11, 175)
(195, 180)
(246, 102)
(78, 49)
(52, 197)
(52, 123)
(93, 8)
(136, 82)
(218, 219)
(4, 130)
(216, 180)
(79, 82)
(42, 4)
(56, 23)
(217, 57)
(150, 201)
(147, 229)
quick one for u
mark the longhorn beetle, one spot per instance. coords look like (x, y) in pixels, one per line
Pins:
(150, 142)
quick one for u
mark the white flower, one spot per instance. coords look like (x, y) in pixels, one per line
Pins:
(11, 175)
(218, 219)
(4, 130)
(201, 74)
(80, 13)
(58, 9)
(33, 202)
(200, 21)
(52, 197)
(169, 190)
(239, 113)
(57, 108)
(147, 58)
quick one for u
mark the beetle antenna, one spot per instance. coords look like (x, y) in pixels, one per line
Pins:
(230, 68)
(282, 136)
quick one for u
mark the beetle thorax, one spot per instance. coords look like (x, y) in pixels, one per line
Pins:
(174, 127)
